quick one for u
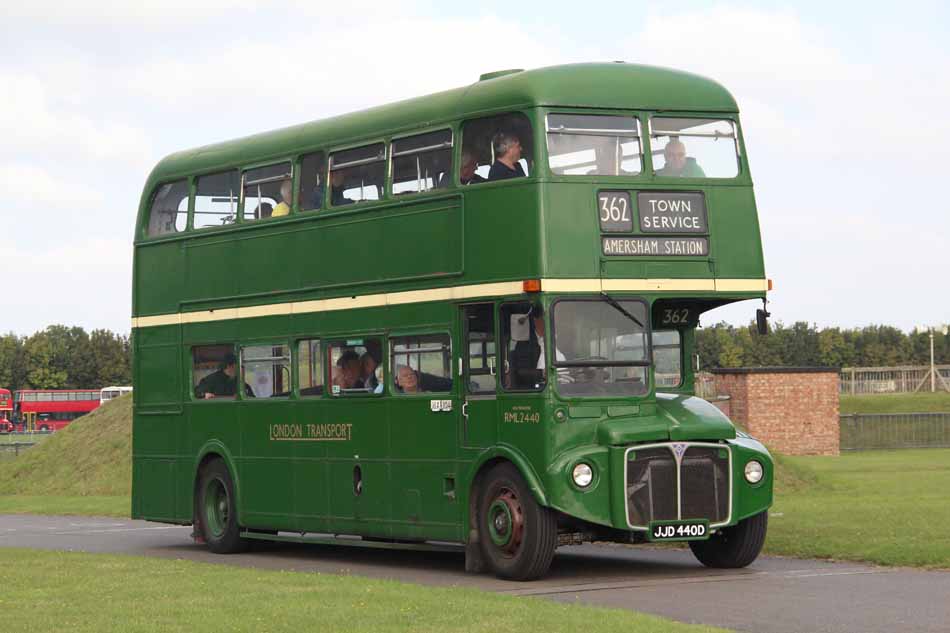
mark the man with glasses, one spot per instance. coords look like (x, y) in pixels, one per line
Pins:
(677, 164)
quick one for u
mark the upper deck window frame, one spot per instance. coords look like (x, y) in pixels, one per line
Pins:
(331, 165)
(531, 115)
(393, 154)
(152, 198)
(637, 133)
(192, 205)
(736, 136)
(244, 183)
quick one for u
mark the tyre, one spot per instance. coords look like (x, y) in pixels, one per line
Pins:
(44, 428)
(216, 510)
(735, 546)
(517, 536)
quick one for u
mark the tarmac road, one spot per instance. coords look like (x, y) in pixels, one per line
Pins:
(772, 595)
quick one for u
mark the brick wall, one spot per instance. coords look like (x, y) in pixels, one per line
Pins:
(794, 411)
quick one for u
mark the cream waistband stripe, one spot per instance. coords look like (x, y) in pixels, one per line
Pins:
(453, 294)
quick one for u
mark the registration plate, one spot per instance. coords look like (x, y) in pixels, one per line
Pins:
(696, 530)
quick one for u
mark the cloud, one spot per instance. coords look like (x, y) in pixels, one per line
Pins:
(332, 70)
(40, 188)
(31, 122)
(85, 282)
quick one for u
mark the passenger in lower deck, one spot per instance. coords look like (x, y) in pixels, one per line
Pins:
(348, 370)
(406, 379)
(221, 383)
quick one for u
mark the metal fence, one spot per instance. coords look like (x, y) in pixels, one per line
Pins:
(910, 379)
(13, 449)
(867, 431)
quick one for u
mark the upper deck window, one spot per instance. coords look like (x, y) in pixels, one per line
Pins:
(216, 199)
(496, 148)
(694, 148)
(422, 162)
(357, 174)
(593, 145)
(268, 192)
(169, 212)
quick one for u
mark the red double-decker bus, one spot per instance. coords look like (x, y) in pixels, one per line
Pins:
(52, 409)
(6, 411)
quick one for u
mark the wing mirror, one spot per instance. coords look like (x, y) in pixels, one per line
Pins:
(762, 321)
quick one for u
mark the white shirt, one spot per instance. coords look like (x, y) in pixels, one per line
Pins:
(557, 353)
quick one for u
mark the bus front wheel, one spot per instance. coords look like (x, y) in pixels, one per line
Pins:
(517, 536)
(217, 511)
(733, 547)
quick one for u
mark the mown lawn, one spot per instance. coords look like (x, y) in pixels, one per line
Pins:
(896, 403)
(887, 507)
(112, 506)
(100, 593)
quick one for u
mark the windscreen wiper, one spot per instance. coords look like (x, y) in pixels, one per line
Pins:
(616, 304)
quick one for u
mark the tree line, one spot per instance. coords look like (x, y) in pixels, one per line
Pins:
(804, 345)
(62, 357)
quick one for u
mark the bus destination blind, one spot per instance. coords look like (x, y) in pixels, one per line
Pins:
(661, 246)
(668, 212)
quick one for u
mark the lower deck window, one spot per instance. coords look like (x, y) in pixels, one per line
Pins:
(265, 369)
(355, 366)
(214, 372)
(421, 364)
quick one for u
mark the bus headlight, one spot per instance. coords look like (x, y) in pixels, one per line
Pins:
(583, 474)
(754, 472)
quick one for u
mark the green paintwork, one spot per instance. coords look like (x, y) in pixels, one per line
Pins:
(418, 466)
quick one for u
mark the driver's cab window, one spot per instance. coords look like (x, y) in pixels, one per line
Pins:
(498, 147)
(523, 333)
(667, 358)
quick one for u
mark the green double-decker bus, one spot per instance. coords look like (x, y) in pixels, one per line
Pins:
(462, 320)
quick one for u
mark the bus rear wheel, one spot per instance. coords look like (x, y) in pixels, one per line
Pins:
(733, 547)
(517, 535)
(216, 511)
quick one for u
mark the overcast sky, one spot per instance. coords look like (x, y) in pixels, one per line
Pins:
(844, 110)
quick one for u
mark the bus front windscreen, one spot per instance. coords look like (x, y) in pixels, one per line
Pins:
(601, 347)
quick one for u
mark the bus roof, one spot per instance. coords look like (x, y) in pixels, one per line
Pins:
(594, 85)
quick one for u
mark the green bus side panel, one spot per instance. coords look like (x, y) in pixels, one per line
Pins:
(159, 277)
(311, 469)
(153, 489)
(735, 241)
(265, 467)
(420, 241)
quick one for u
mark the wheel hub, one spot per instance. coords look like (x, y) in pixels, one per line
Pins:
(506, 521)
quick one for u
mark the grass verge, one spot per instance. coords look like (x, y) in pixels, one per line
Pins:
(114, 506)
(886, 507)
(140, 594)
(896, 403)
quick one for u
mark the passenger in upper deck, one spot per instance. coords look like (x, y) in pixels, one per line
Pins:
(336, 189)
(467, 175)
(677, 163)
(287, 199)
(507, 149)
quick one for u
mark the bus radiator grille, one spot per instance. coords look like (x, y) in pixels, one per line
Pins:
(704, 477)
(703, 481)
(651, 486)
